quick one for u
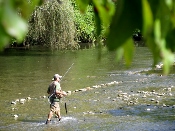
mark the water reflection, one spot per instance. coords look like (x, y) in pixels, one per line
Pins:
(28, 73)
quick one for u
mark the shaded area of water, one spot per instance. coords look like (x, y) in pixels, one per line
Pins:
(141, 100)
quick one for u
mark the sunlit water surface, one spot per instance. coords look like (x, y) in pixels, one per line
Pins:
(140, 100)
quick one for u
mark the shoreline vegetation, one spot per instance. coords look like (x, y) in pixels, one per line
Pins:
(61, 26)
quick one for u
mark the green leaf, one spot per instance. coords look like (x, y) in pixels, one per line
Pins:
(170, 41)
(154, 5)
(157, 31)
(167, 56)
(119, 53)
(4, 39)
(105, 10)
(98, 24)
(154, 49)
(164, 16)
(128, 51)
(150, 8)
(127, 18)
(82, 4)
(14, 25)
(147, 18)
(169, 3)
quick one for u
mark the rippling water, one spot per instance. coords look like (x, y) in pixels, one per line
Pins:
(140, 100)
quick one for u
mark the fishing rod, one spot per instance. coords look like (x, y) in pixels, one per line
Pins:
(65, 105)
(60, 81)
(67, 71)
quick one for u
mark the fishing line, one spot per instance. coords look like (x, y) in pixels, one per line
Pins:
(67, 70)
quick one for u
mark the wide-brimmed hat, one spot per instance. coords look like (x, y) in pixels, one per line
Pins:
(56, 76)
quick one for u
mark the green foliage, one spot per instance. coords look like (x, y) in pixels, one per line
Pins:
(161, 24)
(52, 25)
(155, 19)
(88, 19)
(12, 25)
(85, 24)
(123, 24)
(104, 10)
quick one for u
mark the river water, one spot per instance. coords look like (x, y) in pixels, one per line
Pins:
(112, 97)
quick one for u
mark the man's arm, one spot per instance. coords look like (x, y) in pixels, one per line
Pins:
(61, 93)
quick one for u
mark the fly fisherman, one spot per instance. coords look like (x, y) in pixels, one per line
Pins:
(55, 94)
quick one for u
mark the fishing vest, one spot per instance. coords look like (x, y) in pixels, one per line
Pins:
(52, 89)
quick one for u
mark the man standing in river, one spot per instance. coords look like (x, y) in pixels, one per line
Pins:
(55, 94)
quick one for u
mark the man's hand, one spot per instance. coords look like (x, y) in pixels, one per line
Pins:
(64, 93)
(61, 94)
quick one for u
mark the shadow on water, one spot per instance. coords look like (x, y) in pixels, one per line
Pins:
(153, 112)
(145, 118)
